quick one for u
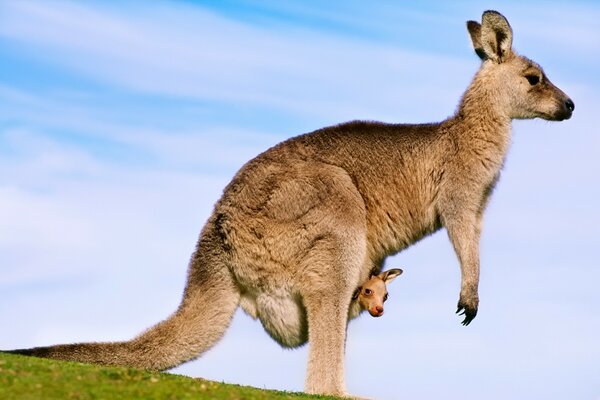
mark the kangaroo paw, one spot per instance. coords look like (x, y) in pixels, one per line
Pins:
(468, 309)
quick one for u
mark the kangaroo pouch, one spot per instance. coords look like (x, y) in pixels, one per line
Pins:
(282, 315)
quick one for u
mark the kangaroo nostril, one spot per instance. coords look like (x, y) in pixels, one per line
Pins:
(570, 105)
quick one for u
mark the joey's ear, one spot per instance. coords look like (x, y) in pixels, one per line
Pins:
(474, 29)
(496, 36)
(374, 272)
(390, 275)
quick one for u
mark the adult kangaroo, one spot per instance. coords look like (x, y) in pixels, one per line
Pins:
(303, 224)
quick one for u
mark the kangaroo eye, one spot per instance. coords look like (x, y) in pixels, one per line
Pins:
(385, 297)
(368, 292)
(532, 79)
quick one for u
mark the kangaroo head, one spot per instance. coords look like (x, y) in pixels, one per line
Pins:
(517, 86)
(373, 293)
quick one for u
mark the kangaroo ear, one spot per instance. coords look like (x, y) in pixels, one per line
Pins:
(390, 274)
(496, 36)
(474, 29)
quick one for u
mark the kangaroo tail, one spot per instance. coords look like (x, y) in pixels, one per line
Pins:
(209, 302)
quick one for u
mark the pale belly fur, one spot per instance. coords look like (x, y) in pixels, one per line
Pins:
(281, 313)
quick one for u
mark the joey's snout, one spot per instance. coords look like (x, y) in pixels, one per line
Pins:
(376, 311)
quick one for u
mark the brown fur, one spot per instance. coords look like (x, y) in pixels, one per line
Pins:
(304, 223)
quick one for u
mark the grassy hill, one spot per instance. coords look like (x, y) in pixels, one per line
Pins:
(33, 378)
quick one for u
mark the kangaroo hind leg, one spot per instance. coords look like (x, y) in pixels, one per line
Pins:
(329, 283)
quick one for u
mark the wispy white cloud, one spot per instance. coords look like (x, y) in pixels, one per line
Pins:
(185, 51)
(39, 116)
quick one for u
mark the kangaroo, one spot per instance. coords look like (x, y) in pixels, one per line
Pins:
(371, 295)
(302, 225)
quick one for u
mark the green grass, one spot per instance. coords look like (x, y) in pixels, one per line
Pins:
(33, 378)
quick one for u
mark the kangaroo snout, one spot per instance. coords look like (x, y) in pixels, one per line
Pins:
(559, 108)
(570, 107)
(564, 109)
(376, 311)
(564, 106)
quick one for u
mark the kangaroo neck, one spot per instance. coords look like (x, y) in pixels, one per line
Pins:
(481, 117)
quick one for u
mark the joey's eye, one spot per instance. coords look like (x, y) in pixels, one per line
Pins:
(368, 292)
(385, 297)
(532, 79)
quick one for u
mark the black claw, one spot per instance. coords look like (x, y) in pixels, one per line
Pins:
(468, 312)
(469, 316)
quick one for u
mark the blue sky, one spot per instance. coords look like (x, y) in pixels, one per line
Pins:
(120, 125)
